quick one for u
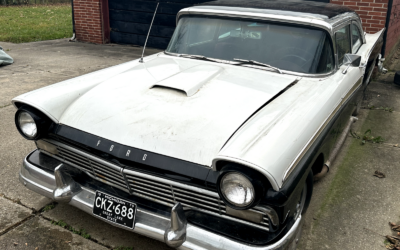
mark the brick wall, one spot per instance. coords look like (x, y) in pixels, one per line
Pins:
(88, 21)
(393, 33)
(372, 12)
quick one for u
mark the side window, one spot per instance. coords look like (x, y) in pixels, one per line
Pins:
(342, 37)
(355, 38)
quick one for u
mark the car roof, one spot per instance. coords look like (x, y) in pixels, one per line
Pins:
(307, 7)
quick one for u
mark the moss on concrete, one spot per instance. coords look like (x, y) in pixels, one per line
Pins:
(340, 187)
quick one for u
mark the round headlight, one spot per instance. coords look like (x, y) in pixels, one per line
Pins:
(27, 124)
(237, 189)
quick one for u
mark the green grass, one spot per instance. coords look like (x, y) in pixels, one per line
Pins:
(81, 232)
(20, 24)
(48, 207)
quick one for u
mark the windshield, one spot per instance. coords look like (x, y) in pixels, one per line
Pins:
(292, 48)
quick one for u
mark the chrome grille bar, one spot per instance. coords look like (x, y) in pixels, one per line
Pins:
(150, 187)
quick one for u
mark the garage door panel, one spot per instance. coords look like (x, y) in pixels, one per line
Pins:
(141, 17)
(147, 6)
(130, 20)
(142, 29)
(126, 38)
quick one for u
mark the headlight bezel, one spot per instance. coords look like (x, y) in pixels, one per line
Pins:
(41, 121)
(253, 176)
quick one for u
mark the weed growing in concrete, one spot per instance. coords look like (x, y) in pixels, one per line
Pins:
(48, 207)
(381, 108)
(60, 223)
(81, 232)
(367, 137)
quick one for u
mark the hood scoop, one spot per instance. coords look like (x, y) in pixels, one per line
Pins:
(191, 80)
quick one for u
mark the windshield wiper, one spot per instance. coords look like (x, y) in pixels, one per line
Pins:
(199, 57)
(244, 61)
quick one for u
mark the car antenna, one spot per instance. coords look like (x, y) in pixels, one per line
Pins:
(148, 34)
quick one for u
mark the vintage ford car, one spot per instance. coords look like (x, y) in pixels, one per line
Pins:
(215, 142)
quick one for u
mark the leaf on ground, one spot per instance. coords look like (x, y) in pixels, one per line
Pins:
(379, 174)
(395, 227)
(392, 239)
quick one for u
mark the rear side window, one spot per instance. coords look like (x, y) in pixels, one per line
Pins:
(342, 37)
(355, 38)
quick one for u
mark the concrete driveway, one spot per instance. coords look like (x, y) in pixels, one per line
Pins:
(350, 208)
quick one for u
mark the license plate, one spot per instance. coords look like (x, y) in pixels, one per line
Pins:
(114, 209)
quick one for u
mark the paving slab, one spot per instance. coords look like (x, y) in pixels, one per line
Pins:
(102, 231)
(383, 94)
(384, 124)
(40, 234)
(11, 214)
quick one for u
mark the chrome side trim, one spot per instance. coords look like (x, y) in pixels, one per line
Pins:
(151, 224)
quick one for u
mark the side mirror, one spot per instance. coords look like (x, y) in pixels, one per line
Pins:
(351, 60)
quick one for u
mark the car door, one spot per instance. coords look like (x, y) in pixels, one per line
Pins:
(351, 78)
(348, 38)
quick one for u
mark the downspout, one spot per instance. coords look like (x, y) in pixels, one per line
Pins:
(73, 23)
(336, 149)
(388, 14)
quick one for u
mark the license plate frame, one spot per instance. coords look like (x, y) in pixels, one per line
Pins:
(105, 206)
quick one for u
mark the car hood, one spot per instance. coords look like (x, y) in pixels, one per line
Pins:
(183, 108)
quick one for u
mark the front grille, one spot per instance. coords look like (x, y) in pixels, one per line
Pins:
(170, 194)
(110, 174)
(147, 186)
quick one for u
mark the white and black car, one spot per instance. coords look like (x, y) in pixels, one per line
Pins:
(213, 143)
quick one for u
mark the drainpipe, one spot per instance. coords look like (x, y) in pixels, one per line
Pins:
(73, 23)
(336, 149)
(388, 14)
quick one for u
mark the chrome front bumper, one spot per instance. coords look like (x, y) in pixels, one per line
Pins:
(146, 223)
